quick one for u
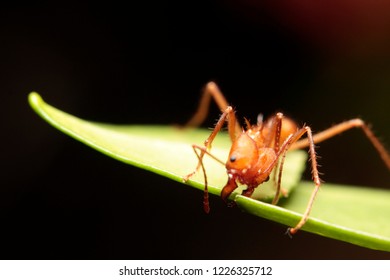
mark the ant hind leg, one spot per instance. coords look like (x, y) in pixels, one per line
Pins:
(346, 125)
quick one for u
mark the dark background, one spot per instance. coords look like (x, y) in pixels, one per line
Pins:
(146, 64)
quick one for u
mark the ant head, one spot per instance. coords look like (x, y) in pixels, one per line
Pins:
(243, 154)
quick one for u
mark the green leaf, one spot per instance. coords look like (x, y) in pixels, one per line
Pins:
(359, 215)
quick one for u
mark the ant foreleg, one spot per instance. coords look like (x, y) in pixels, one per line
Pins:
(341, 127)
(230, 116)
(203, 151)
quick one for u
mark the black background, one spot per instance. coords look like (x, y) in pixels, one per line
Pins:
(146, 64)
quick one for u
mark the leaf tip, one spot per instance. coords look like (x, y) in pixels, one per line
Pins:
(34, 99)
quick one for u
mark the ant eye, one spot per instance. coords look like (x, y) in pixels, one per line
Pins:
(233, 158)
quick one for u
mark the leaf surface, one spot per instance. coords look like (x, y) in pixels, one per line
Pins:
(359, 215)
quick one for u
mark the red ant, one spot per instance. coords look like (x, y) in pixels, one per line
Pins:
(262, 147)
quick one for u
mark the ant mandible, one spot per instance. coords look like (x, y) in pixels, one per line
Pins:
(262, 147)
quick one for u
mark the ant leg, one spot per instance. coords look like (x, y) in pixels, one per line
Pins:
(315, 174)
(206, 204)
(210, 90)
(274, 130)
(275, 182)
(341, 127)
(200, 160)
(274, 135)
(228, 115)
(279, 189)
(203, 151)
(248, 192)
